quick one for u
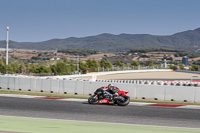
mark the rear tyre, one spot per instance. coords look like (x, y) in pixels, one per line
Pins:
(123, 101)
(93, 99)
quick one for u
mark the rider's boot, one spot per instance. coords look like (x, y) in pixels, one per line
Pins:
(115, 95)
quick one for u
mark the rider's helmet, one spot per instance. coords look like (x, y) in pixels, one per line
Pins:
(110, 86)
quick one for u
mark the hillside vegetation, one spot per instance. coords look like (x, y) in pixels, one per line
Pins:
(177, 53)
(81, 52)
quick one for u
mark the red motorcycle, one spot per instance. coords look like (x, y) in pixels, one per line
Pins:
(103, 96)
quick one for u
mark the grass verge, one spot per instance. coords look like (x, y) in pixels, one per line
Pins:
(47, 94)
(41, 125)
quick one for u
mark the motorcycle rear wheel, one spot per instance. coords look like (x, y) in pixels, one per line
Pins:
(124, 101)
(93, 99)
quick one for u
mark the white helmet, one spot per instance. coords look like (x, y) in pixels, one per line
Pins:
(110, 85)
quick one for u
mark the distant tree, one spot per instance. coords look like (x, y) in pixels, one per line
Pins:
(181, 67)
(10, 68)
(63, 68)
(174, 67)
(135, 63)
(92, 63)
(16, 67)
(82, 52)
(44, 69)
(109, 65)
(22, 68)
(30, 68)
(149, 62)
(2, 67)
(65, 60)
(105, 64)
(118, 63)
(37, 69)
(83, 67)
(54, 69)
(194, 68)
(72, 67)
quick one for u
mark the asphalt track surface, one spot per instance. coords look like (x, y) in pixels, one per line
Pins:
(81, 111)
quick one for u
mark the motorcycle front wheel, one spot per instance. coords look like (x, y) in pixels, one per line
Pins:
(123, 101)
(93, 99)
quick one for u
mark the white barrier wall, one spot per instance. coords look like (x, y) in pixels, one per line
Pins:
(10, 82)
(4, 83)
(39, 84)
(68, 86)
(24, 83)
(90, 87)
(197, 94)
(54, 85)
(179, 93)
(33, 84)
(150, 92)
(158, 90)
(127, 87)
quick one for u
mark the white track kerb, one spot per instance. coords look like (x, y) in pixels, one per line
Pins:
(85, 100)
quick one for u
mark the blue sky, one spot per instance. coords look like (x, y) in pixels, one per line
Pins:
(40, 20)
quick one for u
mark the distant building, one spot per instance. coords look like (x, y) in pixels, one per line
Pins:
(55, 58)
(185, 60)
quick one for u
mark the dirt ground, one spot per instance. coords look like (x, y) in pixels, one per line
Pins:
(149, 75)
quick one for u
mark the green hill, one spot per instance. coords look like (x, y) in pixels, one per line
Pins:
(187, 40)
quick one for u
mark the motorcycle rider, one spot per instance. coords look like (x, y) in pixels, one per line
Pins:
(113, 90)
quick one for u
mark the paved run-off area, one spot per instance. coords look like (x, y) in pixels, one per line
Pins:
(146, 75)
(39, 125)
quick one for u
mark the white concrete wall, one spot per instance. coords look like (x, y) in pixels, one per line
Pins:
(137, 88)
(197, 95)
(150, 91)
(180, 93)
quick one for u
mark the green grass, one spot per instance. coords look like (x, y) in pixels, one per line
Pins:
(47, 94)
(39, 125)
(3, 91)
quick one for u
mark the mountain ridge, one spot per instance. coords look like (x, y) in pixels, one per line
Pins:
(187, 40)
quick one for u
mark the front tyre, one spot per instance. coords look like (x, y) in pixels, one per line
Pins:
(93, 99)
(123, 101)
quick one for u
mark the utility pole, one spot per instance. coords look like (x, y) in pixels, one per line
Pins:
(7, 41)
(77, 63)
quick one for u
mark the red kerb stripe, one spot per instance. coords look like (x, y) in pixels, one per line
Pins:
(52, 98)
(166, 105)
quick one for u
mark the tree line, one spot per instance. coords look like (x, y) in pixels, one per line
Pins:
(179, 53)
(65, 67)
(61, 67)
(81, 52)
(153, 49)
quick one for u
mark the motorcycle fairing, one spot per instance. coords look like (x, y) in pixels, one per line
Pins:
(105, 100)
(123, 92)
